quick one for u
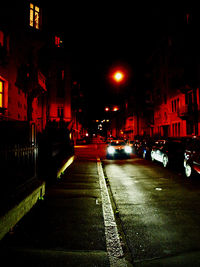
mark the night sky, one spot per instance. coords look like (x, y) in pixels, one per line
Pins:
(117, 36)
(99, 36)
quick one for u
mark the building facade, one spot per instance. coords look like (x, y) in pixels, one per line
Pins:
(22, 83)
(170, 103)
(35, 77)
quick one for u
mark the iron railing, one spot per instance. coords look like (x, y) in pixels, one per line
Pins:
(18, 165)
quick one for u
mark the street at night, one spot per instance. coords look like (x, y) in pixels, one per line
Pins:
(99, 134)
(156, 213)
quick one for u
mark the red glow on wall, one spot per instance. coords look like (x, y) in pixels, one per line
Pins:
(1, 38)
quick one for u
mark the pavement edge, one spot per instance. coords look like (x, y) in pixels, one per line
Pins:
(65, 166)
(114, 248)
(15, 214)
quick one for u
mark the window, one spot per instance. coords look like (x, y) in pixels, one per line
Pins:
(58, 41)
(60, 112)
(176, 129)
(35, 14)
(178, 104)
(175, 105)
(179, 129)
(1, 93)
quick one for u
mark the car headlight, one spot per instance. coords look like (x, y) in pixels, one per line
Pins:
(111, 150)
(128, 149)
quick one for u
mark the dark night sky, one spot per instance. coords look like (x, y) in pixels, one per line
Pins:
(99, 36)
(102, 38)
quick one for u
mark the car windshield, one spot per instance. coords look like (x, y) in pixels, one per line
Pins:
(118, 143)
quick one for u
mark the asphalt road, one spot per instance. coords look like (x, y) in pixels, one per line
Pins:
(159, 211)
(158, 216)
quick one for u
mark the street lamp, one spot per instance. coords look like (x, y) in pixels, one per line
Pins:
(118, 76)
(116, 108)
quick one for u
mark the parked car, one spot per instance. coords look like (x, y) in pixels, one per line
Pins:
(118, 148)
(169, 151)
(192, 157)
(144, 148)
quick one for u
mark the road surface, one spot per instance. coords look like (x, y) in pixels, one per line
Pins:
(159, 211)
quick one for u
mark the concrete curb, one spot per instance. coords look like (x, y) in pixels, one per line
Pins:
(10, 219)
(65, 166)
(114, 247)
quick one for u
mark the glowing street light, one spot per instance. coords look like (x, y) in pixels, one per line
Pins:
(118, 76)
(116, 108)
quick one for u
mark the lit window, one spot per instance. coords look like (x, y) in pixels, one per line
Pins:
(1, 94)
(58, 41)
(34, 20)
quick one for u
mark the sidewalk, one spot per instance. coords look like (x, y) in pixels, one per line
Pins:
(66, 228)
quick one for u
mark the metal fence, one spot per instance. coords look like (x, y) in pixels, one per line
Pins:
(18, 165)
(22, 159)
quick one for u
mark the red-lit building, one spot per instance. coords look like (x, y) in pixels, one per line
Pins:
(35, 78)
(167, 100)
(22, 83)
(175, 83)
(59, 82)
